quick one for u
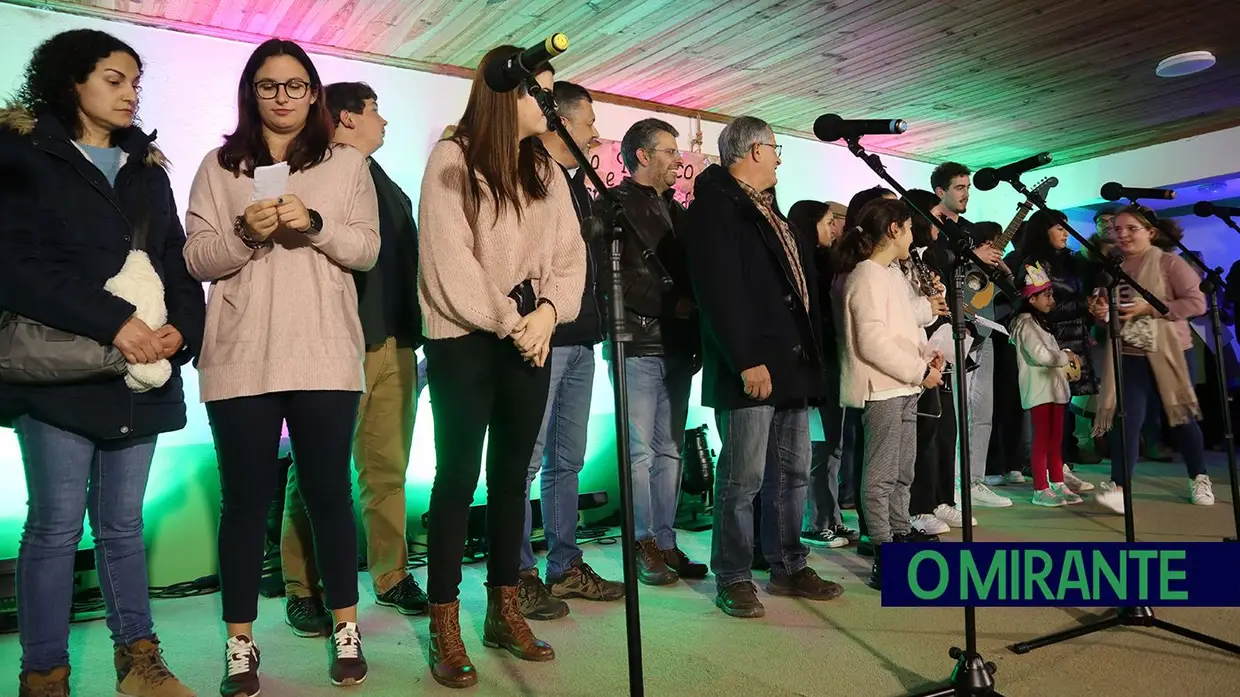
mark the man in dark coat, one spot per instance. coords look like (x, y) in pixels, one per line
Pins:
(762, 365)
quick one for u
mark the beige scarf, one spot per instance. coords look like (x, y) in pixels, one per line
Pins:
(1167, 360)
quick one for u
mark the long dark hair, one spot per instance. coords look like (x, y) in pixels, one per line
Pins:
(486, 132)
(1043, 319)
(804, 217)
(923, 231)
(874, 222)
(245, 148)
(58, 66)
(859, 200)
(1036, 244)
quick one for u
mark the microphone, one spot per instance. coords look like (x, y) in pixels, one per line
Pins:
(506, 75)
(1205, 209)
(830, 127)
(988, 178)
(1114, 191)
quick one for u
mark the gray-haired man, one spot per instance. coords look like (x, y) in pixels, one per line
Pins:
(761, 362)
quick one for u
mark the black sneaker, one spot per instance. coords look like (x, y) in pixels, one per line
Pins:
(536, 601)
(845, 532)
(348, 664)
(407, 597)
(915, 535)
(823, 538)
(307, 616)
(241, 659)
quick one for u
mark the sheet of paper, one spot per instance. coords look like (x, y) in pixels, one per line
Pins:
(993, 326)
(943, 342)
(270, 181)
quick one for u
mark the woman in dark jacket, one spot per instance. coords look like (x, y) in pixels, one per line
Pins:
(1045, 242)
(78, 180)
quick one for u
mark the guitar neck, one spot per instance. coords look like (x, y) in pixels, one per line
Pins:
(1005, 238)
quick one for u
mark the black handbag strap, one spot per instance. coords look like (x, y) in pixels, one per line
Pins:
(140, 220)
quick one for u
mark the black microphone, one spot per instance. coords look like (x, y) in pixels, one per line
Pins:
(1114, 191)
(1205, 209)
(830, 127)
(988, 178)
(507, 74)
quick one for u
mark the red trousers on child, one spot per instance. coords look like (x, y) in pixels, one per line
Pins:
(1047, 444)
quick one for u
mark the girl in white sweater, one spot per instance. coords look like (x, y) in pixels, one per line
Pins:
(884, 365)
(1044, 371)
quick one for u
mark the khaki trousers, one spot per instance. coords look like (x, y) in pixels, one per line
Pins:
(381, 443)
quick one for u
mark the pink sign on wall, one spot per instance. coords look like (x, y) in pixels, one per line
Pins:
(606, 159)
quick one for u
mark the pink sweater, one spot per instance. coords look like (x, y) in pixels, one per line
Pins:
(283, 318)
(467, 269)
(1184, 299)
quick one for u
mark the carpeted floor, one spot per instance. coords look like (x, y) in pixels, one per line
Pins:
(851, 646)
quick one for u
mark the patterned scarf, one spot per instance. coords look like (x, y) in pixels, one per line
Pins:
(763, 200)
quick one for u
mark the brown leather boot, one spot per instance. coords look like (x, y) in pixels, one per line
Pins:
(53, 683)
(450, 664)
(506, 628)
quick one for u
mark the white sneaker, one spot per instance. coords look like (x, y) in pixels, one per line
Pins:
(929, 524)
(995, 480)
(1201, 491)
(952, 515)
(1014, 477)
(984, 497)
(1075, 483)
(1110, 498)
(1047, 497)
(1069, 497)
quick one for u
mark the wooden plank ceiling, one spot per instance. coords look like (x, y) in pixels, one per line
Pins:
(979, 81)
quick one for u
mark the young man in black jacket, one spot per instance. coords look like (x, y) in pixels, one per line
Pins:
(392, 326)
(762, 365)
(660, 313)
(560, 451)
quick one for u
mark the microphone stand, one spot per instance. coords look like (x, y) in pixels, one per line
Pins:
(973, 676)
(1113, 276)
(619, 335)
(1211, 284)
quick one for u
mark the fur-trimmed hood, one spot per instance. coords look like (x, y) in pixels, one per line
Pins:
(17, 119)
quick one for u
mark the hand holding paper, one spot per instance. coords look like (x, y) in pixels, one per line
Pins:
(270, 182)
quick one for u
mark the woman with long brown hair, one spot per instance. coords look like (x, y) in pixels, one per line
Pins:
(502, 263)
(283, 341)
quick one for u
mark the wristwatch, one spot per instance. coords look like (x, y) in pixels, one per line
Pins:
(316, 222)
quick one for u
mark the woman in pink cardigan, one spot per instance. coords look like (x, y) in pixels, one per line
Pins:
(1155, 363)
(283, 340)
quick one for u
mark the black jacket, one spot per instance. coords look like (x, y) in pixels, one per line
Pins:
(388, 293)
(1070, 318)
(751, 314)
(650, 306)
(64, 231)
(587, 329)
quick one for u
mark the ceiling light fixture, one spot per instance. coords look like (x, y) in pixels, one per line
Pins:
(1183, 64)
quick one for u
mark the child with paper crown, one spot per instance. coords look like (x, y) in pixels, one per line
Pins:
(1044, 371)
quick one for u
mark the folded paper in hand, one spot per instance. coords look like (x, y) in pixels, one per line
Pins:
(943, 342)
(270, 182)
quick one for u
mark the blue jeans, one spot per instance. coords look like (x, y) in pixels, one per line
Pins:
(767, 450)
(562, 440)
(1140, 390)
(69, 476)
(658, 407)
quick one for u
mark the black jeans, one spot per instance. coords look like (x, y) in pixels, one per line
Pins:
(247, 445)
(1007, 451)
(1140, 391)
(480, 382)
(934, 479)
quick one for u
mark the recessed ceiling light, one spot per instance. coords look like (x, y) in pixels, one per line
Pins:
(1183, 64)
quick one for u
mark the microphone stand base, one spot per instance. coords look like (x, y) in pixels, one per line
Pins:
(974, 676)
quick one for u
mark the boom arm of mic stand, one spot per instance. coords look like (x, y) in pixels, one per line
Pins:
(949, 227)
(619, 335)
(1114, 269)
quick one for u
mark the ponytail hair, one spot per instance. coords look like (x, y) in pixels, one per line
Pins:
(872, 231)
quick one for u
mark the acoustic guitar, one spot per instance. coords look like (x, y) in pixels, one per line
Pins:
(983, 297)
